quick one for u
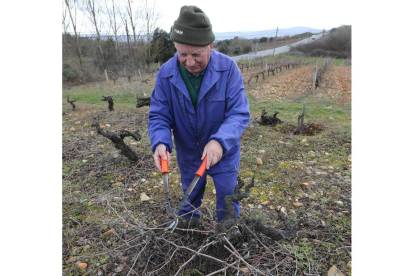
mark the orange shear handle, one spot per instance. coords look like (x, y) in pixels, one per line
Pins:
(202, 168)
(164, 164)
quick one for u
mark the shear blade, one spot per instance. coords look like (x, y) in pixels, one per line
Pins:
(172, 225)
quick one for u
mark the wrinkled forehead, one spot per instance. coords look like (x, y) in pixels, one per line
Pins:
(190, 49)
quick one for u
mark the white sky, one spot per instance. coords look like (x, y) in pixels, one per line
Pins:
(230, 16)
(246, 15)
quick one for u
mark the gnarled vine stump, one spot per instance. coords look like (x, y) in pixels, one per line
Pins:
(143, 102)
(110, 102)
(118, 140)
(267, 120)
(235, 230)
(72, 102)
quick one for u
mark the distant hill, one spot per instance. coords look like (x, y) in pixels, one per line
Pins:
(338, 44)
(230, 35)
(266, 33)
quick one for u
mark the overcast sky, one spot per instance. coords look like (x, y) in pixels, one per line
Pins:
(242, 15)
(248, 15)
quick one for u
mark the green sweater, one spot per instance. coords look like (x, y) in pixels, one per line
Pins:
(193, 84)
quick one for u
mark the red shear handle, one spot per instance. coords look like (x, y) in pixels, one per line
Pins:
(202, 168)
(164, 164)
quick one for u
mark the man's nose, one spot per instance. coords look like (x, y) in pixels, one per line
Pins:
(190, 61)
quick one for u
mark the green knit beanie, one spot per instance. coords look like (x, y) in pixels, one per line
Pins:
(192, 27)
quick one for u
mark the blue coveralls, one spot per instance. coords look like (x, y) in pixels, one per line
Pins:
(222, 114)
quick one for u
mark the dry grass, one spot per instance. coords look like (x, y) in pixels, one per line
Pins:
(101, 189)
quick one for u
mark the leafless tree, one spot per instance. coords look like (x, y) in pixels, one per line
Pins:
(65, 23)
(132, 15)
(113, 75)
(150, 15)
(115, 16)
(93, 11)
(65, 26)
(72, 7)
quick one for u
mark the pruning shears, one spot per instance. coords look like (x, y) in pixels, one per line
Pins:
(173, 212)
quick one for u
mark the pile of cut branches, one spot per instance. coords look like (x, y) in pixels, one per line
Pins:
(235, 245)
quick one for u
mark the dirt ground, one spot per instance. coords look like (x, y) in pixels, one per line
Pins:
(114, 219)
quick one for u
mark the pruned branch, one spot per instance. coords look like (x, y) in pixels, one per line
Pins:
(143, 102)
(287, 234)
(126, 133)
(110, 102)
(301, 118)
(267, 120)
(256, 75)
(72, 102)
(118, 140)
(234, 229)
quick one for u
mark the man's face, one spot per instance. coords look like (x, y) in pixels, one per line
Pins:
(193, 58)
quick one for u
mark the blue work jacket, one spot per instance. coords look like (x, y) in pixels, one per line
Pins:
(222, 113)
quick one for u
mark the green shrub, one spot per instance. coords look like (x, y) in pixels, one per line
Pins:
(263, 39)
(224, 48)
(247, 49)
(237, 50)
(69, 74)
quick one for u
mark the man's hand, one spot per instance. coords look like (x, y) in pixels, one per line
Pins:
(214, 151)
(161, 152)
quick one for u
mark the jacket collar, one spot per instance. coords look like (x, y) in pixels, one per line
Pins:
(211, 75)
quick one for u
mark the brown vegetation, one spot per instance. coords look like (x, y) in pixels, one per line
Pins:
(295, 219)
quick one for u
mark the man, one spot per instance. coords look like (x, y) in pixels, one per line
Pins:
(199, 95)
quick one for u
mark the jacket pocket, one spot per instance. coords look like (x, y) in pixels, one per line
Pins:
(216, 107)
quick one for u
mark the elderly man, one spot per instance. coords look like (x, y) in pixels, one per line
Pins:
(199, 95)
